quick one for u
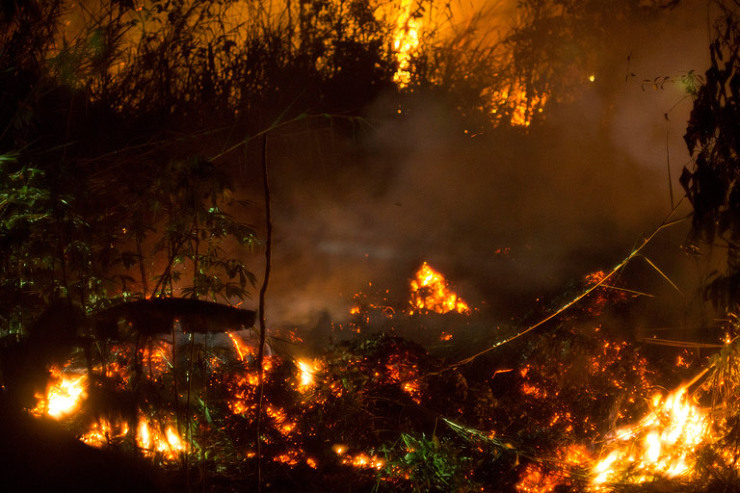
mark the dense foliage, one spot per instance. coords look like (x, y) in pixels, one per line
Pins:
(712, 137)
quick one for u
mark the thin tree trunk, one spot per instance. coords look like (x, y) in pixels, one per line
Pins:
(263, 290)
(142, 267)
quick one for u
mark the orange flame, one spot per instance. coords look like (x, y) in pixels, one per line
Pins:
(539, 479)
(104, 432)
(659, 445)
(242, 349)
(306, 374)
(159, 438)
(153, 437)
(405, 42)
(62, 397)
(429, 292)
(522, 106)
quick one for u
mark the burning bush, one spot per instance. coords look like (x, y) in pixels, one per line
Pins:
(570, 407)
(380, 412)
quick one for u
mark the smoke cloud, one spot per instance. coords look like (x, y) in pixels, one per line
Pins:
(506, 216)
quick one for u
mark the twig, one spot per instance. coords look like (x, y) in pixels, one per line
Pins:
(627, 290)
(662, 274)
(667, 222)
(278, 124)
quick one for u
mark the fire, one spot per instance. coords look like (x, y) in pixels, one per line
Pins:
(62, 397)
(156, 439)
(539, 478)
(290, 458)
(429, 291)
(153, 437)
(521, 104)
(242, 349)
(406, 42)
(103, 432)
(306, 370)
(364, 461)
(280, 418)
(659, 445)
(412, 389)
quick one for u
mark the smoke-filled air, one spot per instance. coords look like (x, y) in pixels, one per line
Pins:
(370, 245)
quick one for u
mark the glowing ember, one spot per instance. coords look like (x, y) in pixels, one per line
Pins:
(660, 445)
(547, 478)
(429, 291)
(413, 390)
(62, 397)
(157, 358)
(364, 461)
(290, 458)
(280, 418)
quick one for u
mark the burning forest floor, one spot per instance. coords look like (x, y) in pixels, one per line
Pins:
(568, 408)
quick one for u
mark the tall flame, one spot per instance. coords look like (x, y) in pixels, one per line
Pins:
(406, 42)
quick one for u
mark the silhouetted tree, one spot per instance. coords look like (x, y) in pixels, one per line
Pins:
(713, 138)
